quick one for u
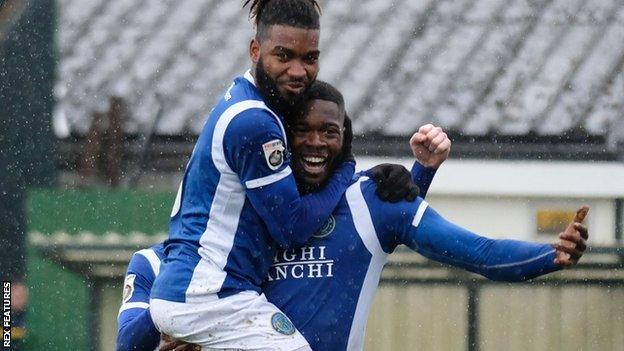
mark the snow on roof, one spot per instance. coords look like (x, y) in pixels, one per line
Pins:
(475, 67)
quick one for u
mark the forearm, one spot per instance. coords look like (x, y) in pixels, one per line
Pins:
(423, 177)
(137, 332)
(292, 219)
(507, 260)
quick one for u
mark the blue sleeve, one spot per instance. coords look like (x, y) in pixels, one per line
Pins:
(135, 329)
(255, 148)
(256, 151)
(506, 260)
(422, 229)
(423, 177)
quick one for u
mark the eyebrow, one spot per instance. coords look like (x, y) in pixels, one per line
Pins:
(283, 49)
(313, 52)
(291, 52)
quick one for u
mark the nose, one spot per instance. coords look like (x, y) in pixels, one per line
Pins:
(315, 139)
(297, 70)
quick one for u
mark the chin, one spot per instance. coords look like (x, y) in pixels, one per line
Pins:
(289, 96)
(310, 184)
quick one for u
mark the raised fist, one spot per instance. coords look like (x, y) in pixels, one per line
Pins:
(430, 145)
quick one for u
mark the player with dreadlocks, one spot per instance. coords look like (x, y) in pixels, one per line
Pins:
(283, 72)
(238, 200)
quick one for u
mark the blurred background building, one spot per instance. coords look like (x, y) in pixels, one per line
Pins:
(530, 91)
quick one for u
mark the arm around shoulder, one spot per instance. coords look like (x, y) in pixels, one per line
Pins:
(261, 159)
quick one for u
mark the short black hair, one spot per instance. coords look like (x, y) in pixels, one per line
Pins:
(294, 13)
(320, 90)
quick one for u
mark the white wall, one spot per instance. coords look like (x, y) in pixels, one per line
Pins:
(501, 198)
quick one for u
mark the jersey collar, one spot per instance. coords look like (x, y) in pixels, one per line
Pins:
(249, 77)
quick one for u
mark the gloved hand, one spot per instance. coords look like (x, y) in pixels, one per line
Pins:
(347, 139)
(394, 182)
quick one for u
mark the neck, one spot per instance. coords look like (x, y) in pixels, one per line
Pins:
(253, 71)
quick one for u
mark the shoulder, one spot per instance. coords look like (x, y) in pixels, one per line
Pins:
(368, 188)
(146, 262)
(357, 194)
(143, 268)
(242, 106)
(390, 220)
(243, 116)
(251, 119)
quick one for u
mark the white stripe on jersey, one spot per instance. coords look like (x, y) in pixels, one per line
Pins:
(419, 213)
(178, 201)
(251, 80)
(218, 239)
(256, 183)
(129, 305)
(152, 258)
(364, 226)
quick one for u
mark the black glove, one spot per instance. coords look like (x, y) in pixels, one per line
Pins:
(347, 138)
(394, 183)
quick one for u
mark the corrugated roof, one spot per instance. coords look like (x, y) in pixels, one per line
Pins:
(477, 67)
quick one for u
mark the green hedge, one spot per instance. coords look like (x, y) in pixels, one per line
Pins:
(76, 211)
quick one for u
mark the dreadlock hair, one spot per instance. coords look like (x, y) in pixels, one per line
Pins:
(294, 13)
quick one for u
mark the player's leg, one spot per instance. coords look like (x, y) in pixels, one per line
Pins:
(242, 321)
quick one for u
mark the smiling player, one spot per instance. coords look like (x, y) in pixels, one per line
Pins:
(306, 282)
(238, 200)
(327, 286)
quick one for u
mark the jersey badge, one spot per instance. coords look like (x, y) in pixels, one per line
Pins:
(128, 287)
(274, 153)
(327, 228)
(282, 324)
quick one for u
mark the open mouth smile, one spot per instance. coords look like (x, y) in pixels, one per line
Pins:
(314, 164)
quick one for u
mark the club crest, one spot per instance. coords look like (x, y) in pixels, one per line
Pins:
(327, 228)
(282, 324)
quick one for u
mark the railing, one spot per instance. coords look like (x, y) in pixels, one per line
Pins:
(456, 300)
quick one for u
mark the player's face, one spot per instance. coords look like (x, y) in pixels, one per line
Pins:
(289, 57)
(316, 142)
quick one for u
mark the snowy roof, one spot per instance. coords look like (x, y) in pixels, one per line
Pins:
(477, 67)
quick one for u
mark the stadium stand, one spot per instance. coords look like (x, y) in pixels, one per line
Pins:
(522, 73)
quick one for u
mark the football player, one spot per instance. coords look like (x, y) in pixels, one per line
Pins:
(327, 286)
(238, 201)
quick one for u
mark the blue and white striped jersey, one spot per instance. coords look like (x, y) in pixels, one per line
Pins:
(238, 201)
(327, 286)
(135, 330)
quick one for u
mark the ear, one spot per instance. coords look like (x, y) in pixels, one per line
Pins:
(254, 50)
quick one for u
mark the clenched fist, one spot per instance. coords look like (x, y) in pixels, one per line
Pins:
(430, 145)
